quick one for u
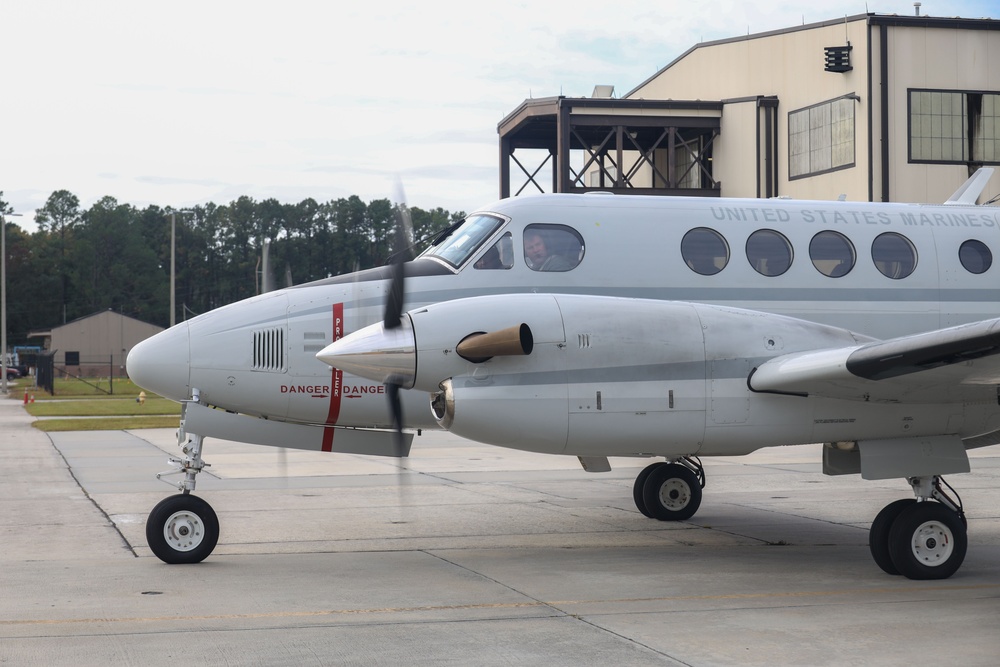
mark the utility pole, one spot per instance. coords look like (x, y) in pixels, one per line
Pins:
(173, 263)
(173, 267)
(3, 301)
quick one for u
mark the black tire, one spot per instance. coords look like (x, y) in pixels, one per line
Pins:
(672, 492)
(928, 541)
(878, 535)
(182, 529)
(640, 482)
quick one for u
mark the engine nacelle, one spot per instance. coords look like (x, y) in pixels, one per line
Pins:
(608, 376)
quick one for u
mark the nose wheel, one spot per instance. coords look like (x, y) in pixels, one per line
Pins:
(182, 529)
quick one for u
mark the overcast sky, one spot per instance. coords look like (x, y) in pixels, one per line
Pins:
(187, 102)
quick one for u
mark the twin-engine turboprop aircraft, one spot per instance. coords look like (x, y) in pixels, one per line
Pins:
(599, 325)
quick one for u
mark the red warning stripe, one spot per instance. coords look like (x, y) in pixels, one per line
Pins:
(337, 382)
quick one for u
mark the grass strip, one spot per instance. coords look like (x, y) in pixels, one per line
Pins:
(104, 408)
(105, 424)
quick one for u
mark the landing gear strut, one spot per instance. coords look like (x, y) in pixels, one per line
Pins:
(183, 528)
(670, 491)
(922, 538)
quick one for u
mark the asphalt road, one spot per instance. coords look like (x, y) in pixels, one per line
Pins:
(465, 554)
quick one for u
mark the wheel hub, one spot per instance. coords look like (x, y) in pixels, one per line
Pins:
(184, 531)
(932, 543)
(675, 494)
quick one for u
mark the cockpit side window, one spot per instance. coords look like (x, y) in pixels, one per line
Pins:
(461, 244)
(552, 247)
(499, 256)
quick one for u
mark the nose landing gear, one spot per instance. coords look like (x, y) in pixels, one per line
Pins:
(183, 528)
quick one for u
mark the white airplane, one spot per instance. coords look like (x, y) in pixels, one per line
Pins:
(602, 326)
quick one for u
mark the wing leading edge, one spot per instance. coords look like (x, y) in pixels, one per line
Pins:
(957, 364)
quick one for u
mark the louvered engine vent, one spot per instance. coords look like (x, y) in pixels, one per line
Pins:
(269, 350)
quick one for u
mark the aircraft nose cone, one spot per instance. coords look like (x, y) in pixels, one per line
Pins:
(162, 363)
(376, 353)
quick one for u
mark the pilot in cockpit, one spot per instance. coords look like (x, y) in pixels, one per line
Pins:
(490, 260)
(538, 257)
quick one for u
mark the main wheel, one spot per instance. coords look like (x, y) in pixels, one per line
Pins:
(182, 529)
(878, 535)
(927, 541)
(640, 482)
(671, 492)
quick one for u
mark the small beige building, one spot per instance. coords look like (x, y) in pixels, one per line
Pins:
(874, 107)
(97, 344)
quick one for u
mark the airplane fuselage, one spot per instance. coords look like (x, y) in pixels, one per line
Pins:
(258, 356)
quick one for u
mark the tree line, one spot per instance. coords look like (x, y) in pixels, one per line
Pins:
(116, 256)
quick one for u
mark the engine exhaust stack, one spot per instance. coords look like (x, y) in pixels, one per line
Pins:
(512, 341)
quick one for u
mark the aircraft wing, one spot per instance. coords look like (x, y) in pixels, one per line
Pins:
(958, 364)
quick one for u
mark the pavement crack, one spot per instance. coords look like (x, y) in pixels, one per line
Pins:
(107, 517)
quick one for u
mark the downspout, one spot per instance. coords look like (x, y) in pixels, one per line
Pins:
(884, 67)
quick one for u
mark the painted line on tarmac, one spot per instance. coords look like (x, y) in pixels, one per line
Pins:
(497, 605)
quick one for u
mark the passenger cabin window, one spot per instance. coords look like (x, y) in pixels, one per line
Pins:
(975, 256)
(894, 255)
(500, 255)
(705, 251)
(461, 244)
(769, 252)
(552, 247)
(832, 254)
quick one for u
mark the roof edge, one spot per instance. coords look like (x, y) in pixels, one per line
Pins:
(892, 20)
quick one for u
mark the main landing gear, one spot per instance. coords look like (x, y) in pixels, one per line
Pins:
(183, 528)
(670, 491)
(919, 538)
(923, 537)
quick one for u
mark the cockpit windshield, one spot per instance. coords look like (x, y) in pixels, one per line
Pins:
(460, 245)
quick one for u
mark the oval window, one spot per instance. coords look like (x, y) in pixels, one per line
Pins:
(832, 254)
(894, 255)
(705, 251)
(769, 252)
(552, 247)
(975, 256)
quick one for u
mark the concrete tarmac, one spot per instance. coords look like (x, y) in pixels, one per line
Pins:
(465, 554)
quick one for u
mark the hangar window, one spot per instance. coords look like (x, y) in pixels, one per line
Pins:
(552, 247)
(769, 252)
(954, 126)
(894, 255)
(705, 251)
(832, 254)
(975, 256)
(821, 138)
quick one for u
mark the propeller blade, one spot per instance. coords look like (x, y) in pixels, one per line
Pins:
(396, 411)
(394, 299)
(402, 242)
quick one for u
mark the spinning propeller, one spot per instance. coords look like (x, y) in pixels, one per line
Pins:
(392, 317)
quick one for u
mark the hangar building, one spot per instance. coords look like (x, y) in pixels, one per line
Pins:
(97, 344)
(875, 107)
